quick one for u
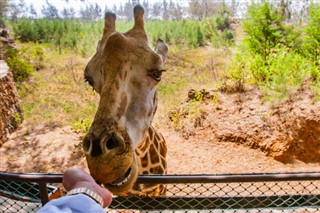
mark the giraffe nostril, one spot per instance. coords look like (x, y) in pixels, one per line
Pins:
(86, 145)
(112, 143)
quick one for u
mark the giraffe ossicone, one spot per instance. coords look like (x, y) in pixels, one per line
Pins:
(121, 142)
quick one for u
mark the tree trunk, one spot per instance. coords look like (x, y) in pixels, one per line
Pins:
(10, 111)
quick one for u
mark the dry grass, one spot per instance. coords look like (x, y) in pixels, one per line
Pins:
(57, 94)
(187, 69)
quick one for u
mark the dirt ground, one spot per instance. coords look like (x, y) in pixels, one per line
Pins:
(236, 134)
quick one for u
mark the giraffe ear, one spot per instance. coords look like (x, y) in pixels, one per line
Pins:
(109, 23)
(162, 49)
(138, 13)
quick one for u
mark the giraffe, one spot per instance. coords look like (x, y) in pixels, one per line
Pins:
(121, 142)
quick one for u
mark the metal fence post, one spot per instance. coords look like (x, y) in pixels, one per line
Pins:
(43, 193)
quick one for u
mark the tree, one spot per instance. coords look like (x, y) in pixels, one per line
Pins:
(68, 13)
(32, 11)
(23, 10)
(146, 7)
(114, 8)
(175, 11)
(202, 8)
(312, 40)
(120, 11)
(285, 8)
(196, 9)
(50, 11)
(156, 10)
(234, 7)
(135, 2)
(165, 14)
(16, 10)
(264, 28)
(128, 7)
(92, 12)
(3, 11)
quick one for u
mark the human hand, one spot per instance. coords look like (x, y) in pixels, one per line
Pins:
(77, 178)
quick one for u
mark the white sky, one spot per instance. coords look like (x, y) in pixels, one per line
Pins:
(77, 4)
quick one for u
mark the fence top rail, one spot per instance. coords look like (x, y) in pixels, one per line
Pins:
(167, 179)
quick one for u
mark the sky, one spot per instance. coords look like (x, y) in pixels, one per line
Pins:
(77, 4)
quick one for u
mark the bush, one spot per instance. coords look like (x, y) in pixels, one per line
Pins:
(33, 55)
(21, 69)
(280, 76)
(312, 38)
(217, 29)
(264, 28)
(228, 36)
(82, 36)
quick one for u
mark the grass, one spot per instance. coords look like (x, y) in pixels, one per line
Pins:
(57, 93)
(189, 69)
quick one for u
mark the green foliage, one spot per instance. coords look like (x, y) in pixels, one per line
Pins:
(217, 30)
(194, 36)
(170, 88)
(69, 33)
(199, 95)
(312, 38)
(3, 10)
(21, 69)
(82, 37)
(287, 68)
(292, 38)
(177, 32)
(277, 78)
(222, 23)
(276, 56)
(34, 55)
(228, 36)
(16, 119)
(263, 26)
(311, 47)
(238, 74)
(82, 126)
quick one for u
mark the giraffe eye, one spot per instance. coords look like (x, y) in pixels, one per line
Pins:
(156, 74)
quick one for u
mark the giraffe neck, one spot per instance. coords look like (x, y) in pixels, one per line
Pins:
(151, 157)
(151, 153)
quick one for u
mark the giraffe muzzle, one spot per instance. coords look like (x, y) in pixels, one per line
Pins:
(111, 160)
(95, 146)
(122, 179)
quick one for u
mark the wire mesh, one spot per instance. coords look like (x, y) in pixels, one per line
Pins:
(291, 192)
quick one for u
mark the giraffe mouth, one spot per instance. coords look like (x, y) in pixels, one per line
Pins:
(122, 179)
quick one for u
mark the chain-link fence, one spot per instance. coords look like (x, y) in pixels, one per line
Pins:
(289, 192)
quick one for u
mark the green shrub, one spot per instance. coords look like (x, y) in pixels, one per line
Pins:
(34, 55)
(263, 27)
(82, 37)
(312, 38)
(199, 34)
(82, 126)
(277, 78)
(222, 23)
(228, 36)
(21, 69)
(217, 30)
(292, 38)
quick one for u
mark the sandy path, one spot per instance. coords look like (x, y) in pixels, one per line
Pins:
(53, 150)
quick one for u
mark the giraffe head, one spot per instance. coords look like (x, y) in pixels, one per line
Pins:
(125, 72)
